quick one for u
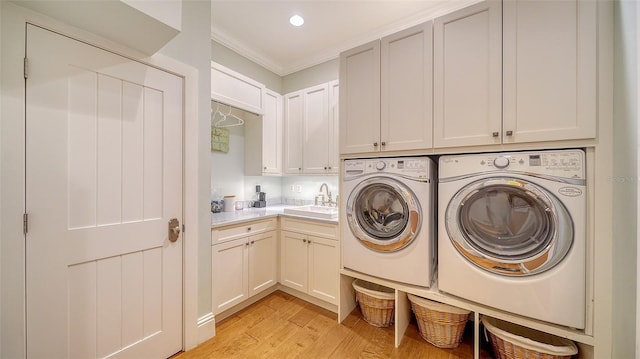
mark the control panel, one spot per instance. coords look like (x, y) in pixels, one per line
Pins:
(560, 163)
(417, 167)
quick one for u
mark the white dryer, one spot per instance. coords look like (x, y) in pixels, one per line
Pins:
(512, 232)
(388, 223)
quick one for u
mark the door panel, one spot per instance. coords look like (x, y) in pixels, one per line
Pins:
(103, 177)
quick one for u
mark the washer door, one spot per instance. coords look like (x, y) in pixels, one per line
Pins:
(383, 214)
(509, 226)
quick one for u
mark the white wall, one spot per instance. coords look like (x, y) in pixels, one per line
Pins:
(625, 179)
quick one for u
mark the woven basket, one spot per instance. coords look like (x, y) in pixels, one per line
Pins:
(377, 303)
(511, 341)
(440, 324)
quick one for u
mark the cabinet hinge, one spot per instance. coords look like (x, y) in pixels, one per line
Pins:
(25, 223)
(183, 228)
(26, 68)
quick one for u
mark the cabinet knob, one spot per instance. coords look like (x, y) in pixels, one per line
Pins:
(248, 228)
(265, 167)
(495, 134)
(325, 167)
(375, 144)
(252, 242)
(299, 168)
(304, 241)
(329, 167)
(383, 143)
(509, 133)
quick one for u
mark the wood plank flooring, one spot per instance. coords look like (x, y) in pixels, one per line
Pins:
(283, 326)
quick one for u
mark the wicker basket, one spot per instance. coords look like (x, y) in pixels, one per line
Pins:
(440, 324)
(377, 303)
(511, 341)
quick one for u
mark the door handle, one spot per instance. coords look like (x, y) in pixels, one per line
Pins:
(174, 229)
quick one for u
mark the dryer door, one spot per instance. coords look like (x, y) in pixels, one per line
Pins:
(509, 226)
(383, 214)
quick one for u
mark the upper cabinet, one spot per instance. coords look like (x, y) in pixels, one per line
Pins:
(263, 139)
(310, 130)
(386, 95)
(468, 74)
(533, 80)
(493, 73)
(237, 90)
(549, 79)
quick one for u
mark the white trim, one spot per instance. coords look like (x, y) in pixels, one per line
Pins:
(206, 327)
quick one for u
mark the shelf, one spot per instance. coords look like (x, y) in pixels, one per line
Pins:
(434, 294)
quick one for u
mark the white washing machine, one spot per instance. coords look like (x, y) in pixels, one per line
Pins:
(512, 232)
(388, 223)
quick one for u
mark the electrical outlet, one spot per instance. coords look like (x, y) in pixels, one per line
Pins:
(291, 188)
(298, 188)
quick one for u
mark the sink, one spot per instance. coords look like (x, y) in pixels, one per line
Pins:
(314, 211)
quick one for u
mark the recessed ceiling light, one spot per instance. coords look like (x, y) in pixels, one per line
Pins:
(296, 20)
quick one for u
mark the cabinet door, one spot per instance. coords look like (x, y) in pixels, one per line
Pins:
(294, 261)
(293, 122)
(316, 130)
(263, 259)
(360, 99)
(323, 269)
(229, 274)
(334, 143)
(236, 89)
(549, 70)
(406, 96)
(272, 134)
(467, 76)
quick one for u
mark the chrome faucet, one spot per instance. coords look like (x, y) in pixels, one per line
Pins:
(328, 200)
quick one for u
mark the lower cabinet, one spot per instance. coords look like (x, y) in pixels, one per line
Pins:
(310, 263)
(242, 268)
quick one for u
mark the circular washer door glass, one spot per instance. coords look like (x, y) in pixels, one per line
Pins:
(383, 214)
(509, 226)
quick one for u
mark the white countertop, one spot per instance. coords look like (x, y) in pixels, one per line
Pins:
(249, 214)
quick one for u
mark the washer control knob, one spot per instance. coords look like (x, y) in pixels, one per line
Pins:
(380, 165)
(501, 162)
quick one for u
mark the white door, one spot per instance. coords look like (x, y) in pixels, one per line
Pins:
(316, 135)
(229, 274)
(294, 260)
(263, 262)
(103, 178)
(467, 68)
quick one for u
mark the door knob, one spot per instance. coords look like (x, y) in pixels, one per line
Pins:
(174, 229)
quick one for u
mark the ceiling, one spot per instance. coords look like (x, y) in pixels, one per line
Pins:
(260, 30)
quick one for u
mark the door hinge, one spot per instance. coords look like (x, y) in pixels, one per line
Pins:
(25, 223)
(26, 68)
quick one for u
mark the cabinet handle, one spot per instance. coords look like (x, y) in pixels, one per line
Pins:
(509, 133)
(375, 144)
(383, 143)
(495, 134)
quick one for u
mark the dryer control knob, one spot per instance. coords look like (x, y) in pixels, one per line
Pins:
(380, 166)
(501, 162)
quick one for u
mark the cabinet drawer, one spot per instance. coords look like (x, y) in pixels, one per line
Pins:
(325, 230)
(229, 233)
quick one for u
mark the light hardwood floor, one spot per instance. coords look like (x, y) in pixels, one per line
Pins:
(283, 326)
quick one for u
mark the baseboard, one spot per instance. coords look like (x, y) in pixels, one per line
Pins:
(206, 327)
(231, 311)
(306, 297)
